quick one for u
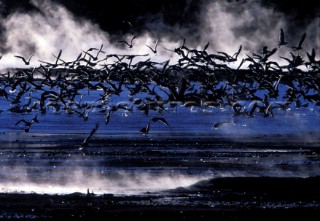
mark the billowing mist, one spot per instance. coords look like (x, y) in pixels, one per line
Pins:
(51, 27)
(41, 29)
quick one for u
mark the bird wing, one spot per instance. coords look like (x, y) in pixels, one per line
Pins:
(155, 47)
(134, 37)
(85, 142)
(312, 56)
(206, 46)
(24, 60)
(238, 52)
(302, 39)
(145, 130)
(23, 120)
(124, 42)
(281, 37)
(150, 48)
(58, 57)
(271, 52)
(161, 120)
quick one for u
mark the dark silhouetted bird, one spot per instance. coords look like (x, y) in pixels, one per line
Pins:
(155, 47)
(146, 129)
(26, 62)
(28, 123)
(281, 39)
(129, 45)
(85, 143)
(299, 47)
(108, 116)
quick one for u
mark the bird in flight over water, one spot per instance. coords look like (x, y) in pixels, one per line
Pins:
(146, 129)
(28, 123)
(85, 143)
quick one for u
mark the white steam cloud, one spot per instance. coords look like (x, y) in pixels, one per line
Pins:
(78, 180)
(46, 32)
(224, 24)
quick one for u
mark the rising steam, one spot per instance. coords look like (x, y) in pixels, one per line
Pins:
(224, 24)
(77, 180)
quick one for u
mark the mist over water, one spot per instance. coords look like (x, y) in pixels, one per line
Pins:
(225, 25)
(71, 180)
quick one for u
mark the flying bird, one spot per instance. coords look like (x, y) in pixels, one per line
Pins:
(281, 39)
(146, 129)
(129, 45)
(206, 47)
(26, 62)
(108, 116)
(57, 57)
(28, 123)
(85, 143)
(299, 47)
(155, 47)
(235, 56)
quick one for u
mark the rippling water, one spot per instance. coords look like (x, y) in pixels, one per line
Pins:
(120, 160)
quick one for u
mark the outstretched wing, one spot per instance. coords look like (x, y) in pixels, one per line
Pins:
(85, 142)
(302, 40)
(23, 120)
(161, 119)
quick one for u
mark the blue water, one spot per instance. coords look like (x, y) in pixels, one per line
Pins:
(122, 160)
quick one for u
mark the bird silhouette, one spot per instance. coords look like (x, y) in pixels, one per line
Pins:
(108, 116)
(146, 129)
(28, 123)
(57, 58)
(206, 47)
(155, 47)
(94, 49)
(299, 47)
(85, 143)
(26, 62)
(281, 39)
(125, 42)
(161, 119)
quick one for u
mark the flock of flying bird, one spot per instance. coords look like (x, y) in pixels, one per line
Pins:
(63, 85)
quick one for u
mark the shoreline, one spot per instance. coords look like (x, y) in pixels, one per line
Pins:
(214, 199)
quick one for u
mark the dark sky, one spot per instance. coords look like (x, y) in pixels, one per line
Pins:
(41, 27)
(178, 12)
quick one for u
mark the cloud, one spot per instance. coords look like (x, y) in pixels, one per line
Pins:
(224, 24)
